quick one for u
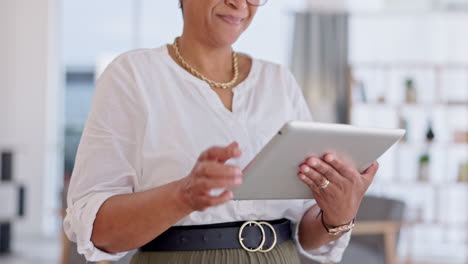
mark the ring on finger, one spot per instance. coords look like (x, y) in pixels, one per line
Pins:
(325, 184)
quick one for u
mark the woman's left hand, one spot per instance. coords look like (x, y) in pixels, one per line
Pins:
(341, 198)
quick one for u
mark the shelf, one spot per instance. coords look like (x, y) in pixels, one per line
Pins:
(380, 227)
(406, 105)
(408, 65)
(436, 206)
(454, 225)
(408, 144)
(416, 13)
(413, 184)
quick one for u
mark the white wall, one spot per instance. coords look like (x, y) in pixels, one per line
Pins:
(85, 39)
(435, 37)
(270, 35)
(29, 113)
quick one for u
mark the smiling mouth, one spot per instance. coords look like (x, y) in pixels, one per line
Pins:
(232, 20)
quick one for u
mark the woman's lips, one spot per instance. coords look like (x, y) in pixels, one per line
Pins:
(231, 19)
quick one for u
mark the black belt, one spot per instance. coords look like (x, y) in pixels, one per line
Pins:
(250, 235)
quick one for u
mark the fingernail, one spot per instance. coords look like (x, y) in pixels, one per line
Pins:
(312, 163)
(305, 168)
(329, 158)
(302, 176)
(238, 180)
(237, 172)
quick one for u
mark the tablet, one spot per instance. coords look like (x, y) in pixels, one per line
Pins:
(272, 174)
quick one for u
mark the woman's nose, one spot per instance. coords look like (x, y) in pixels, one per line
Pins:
(238, 4)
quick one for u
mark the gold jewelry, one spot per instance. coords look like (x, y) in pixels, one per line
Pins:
(325, 184)
(336, 230)
(187, 66)
(260, 247)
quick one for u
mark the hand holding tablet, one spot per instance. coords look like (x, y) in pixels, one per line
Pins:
(273, 173)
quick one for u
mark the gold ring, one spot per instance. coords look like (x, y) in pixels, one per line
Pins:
(325, 184)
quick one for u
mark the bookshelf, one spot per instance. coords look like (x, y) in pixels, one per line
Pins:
(436, 218)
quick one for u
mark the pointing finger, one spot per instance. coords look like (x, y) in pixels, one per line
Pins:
(221, 154)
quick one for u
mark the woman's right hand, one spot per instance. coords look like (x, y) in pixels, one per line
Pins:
(210, 172)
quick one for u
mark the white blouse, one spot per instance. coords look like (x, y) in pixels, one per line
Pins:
(150, 120)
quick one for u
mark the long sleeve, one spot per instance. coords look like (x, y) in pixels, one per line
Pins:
(333, 251)
(108, 158)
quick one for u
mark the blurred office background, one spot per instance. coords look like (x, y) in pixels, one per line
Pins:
(377, 63)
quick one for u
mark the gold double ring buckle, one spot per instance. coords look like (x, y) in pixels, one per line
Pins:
(260, 247)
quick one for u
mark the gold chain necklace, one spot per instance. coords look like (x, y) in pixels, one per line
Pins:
(201, 76)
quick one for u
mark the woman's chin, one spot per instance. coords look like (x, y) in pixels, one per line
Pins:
(227, 39)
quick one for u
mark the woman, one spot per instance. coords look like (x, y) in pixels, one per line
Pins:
(154, 147)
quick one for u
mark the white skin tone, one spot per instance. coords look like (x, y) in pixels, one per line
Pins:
(128, 221)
